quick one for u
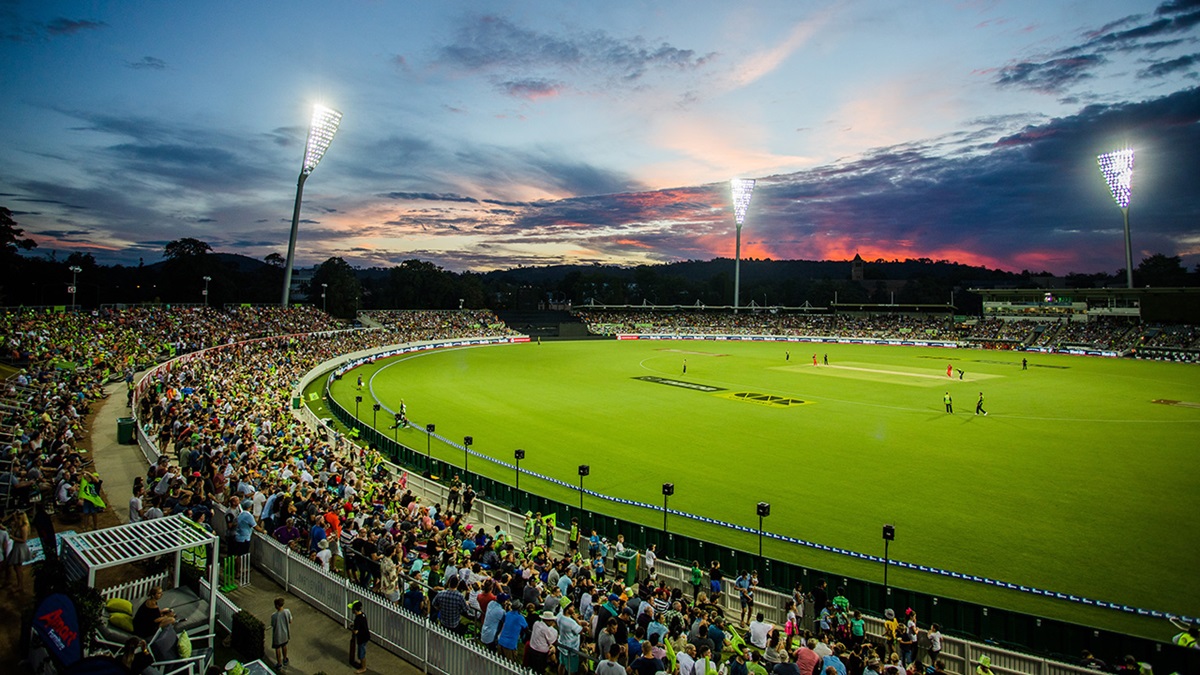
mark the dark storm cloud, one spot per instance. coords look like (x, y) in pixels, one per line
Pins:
(430, 197)
(530, 88)
(1050, 76)
(1055, 72)
(1164, 68)
(192, 158)
(1174, 6)
(64, 234)
(492, 42)
(147, 63)
(65, 26)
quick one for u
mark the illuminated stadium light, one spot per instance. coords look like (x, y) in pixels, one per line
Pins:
(742, 189)
(1117, 167)
(324, 125)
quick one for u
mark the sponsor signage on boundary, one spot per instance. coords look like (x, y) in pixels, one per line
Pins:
(787, 338)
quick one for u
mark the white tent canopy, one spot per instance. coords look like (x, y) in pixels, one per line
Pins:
(124, 544)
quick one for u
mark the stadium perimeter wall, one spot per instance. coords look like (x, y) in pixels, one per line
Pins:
(982, 624)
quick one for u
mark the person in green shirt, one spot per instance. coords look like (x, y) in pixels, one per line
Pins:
(858, 628)
(697, 579)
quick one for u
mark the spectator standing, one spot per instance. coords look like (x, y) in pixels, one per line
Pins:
(541, 642)
(935, 642)
(651, 559)
(281, 632)
(510, 632)
(609, 666)
(362, 636)
(450, 606)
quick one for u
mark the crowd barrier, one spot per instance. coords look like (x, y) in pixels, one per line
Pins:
(418, 640)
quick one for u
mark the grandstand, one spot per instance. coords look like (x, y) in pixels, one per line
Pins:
(223, 410)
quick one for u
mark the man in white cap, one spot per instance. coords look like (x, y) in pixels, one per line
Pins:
(541, 642)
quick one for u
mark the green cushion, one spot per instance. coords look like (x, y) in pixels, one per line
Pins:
(185, 646)
(122, 621)
(119, 605)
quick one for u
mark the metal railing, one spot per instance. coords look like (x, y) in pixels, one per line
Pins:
(419, 640)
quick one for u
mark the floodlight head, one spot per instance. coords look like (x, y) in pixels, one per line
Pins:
(519, 454)
(324, 125)
(742, 189)
(1117, 167)
(75, 268)
(468, 441)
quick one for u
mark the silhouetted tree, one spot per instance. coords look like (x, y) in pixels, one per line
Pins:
(1161, 270)
(344, 295)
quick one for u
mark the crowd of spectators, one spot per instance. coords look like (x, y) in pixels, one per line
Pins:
(415, 325)
(887, 327)
(1103, 333)
(131, 338)
(224, 426)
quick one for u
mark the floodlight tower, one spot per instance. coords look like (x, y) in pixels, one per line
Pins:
(1117, 167)
(742, 189)
(324, 125)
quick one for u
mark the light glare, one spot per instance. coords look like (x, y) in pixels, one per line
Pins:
(1117, 167)
(324, 125)
(742, 189)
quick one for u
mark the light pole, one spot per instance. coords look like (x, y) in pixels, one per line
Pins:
(324, 302)
(764, 510)
(467, 441)
(518, 455)
(668, 490)
(375, 415)
(1117, 167)
(584, 470)
(75, 270)
(742, 189)
(320, 134)
(889, 534)
(429, 429)
(206, 280)
(357, 402)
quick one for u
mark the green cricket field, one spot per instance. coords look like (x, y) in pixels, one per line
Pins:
(1080, 479)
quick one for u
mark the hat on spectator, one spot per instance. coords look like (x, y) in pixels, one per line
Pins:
(889, 614)
(548, 616)
(323, 544)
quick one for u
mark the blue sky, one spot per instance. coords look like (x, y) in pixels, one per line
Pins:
(488, 134)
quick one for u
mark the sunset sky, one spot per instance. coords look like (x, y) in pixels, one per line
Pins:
(487, 135)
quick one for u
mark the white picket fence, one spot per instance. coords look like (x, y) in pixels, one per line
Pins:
(418, 640)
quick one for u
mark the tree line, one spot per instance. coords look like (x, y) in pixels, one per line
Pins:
(190, 267)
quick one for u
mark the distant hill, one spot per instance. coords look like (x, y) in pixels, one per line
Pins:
(758, 271)
(239, 263)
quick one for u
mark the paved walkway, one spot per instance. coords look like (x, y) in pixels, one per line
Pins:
(318, 644)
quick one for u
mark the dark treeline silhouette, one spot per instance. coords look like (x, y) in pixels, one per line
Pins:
(31, 276)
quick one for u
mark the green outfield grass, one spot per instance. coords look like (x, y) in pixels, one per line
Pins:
(1077, 481)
